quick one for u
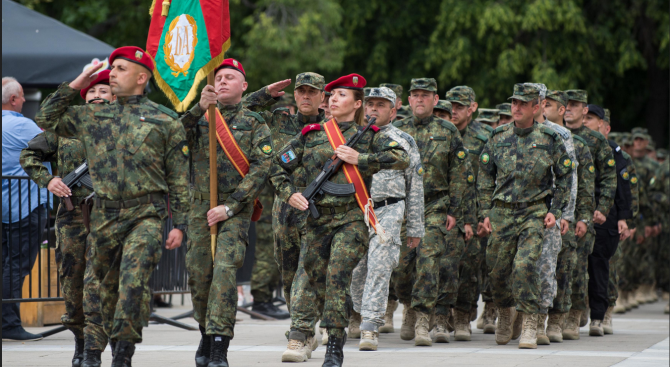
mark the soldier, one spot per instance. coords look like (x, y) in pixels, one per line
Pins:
(325, 106)
(394, 193)
(71, 245)
(474, 135)
(286, 101)
(604, 190)
(333, 243)
(505, 113)
(443, 110)
(402, 112)
(515, 178)
(137, 153)
(445, 164)
(489, 116)
(660, 192)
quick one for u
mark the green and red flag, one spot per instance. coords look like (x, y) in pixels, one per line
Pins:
(188, 40)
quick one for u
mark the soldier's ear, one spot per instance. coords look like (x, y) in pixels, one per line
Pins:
(244, 86)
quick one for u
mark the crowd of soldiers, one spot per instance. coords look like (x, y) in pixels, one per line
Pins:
(535, 204)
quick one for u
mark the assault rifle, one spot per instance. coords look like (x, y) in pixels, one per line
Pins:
(321, 185)
(77, 178)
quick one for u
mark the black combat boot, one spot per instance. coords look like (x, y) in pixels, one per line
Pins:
(123, 354)
(334, 353)
(269, 309)
(92, 358)
(218, 357)
(204, 349)
(78, 357)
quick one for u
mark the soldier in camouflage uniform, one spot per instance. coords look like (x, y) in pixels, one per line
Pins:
(505, 113)
(515, 178)
(71, 233)
(444, 159)
(475, 135)
(137, 153)
(604, 190)
(401, 111)
(443, 110)
(334, 243)
(394, 193)
(489, 116)
(660, 193)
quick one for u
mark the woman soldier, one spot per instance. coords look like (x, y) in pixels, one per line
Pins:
(334, 243)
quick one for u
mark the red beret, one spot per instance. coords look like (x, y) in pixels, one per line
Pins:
(351, 81)
(232, 64)
(100, 78)
(133, 54)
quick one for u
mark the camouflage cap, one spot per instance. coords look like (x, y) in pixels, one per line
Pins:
(626, 138)
(428, 84)
(558, 96)
(525, 92)
(488, 115)
(383, 93)
(640, 132)
(309, 79)
(541, 88)
(504, 109)
(366, 91)
(607, 115)
(461, 94)
(662, 153)
(443, 105)
(396, 88)
(578, 95)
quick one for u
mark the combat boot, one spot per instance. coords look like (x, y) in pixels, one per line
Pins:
(78, 357)
(489, 318)
(355, 325)
(596, 328)
(388, 318)
(296, 351)
(218, 357)
(529, 332)
(441, 332)
(640, 298)
(334, 352)
(506, 317)
(92, 358)
(422, 335)
(473, 314)
(408, 322)
(461, 326)
(571, 330)
(607, 321)
(310, 345)
(620, 305)
(652, 294)
(123, 354)
(204, 348)
(554, 327)
(324, 335)
(542, 338)
(480, 320)
(517, 327)
(369, 340)
(584, 318)
(632, 299)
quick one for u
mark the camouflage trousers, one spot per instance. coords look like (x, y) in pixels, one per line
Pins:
(265, 273)
(613, 284)
(371, 277)
(646, 264)
(286, 224)
(629, 275)
(213, 282)
(332, 246)
(546, 266)
(663, 259)
(484, 281)
(565, 264)
(437, 260)
(580, 274)
(402, 278)
(126, 245)
(468, 271)
(71, 252)
(514, 247)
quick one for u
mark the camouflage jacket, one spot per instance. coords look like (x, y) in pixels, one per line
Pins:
(516, 167)
(311, 149)
(403, 112)
(659, 191)
(603, 160)
(634, 183)
(134, 146)
(253, 137)
(586, 176)
(646, 168)
(569, 210)
(48, 147)
(407, 184)
(444, 160)
(475, 136)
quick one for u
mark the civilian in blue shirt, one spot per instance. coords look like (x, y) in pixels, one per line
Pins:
(24, 217)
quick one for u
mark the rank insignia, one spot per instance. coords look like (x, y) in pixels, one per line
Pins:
(288, 156)
(138, 55)
(591, 168)
(625, 176)
(471, 178)
(485, 158)
(611, 163)
(461, 154)
(419, 170)
(184, 150)
(267, 149)
(633, 180)
(567, 163)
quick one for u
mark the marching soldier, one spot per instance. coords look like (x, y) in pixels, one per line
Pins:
(137, 153)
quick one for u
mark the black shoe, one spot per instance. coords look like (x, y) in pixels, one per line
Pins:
(334, 353)
(112, 344)
(123, 354)
(270, 310)
(19, 334)
(204, 349)
(218, 357)
(78, 358)
(159, 303)
(92, 358)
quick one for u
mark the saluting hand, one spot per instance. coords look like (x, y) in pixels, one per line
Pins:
(275, 89)
(347, 154)
(207, 97)
(174, 239)
(58, 188)
(84, 79)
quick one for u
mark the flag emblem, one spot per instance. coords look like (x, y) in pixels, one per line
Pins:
(267, 149)
(591, 168)
(355, 80)
(288, 156)
(179, 46)
(419, 170)
(485, 158)
(138, 55)
(567, 163)
(393, 144)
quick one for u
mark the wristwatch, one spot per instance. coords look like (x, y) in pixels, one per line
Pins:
(182, 227)
(586, 221)
(229, 212)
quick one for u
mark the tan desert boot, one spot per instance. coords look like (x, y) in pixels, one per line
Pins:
(462, 326)
(388, 318)
(607, 321)
(408, 323)
(296, 351)
(441, 333)
(490, 318)
(422, 335)
(369, 340)
(620, 305)
(555, 327)
(571, 330)
(529, 332)
(542, 338)
(506, 317)
(355, 325)
(596, 328)
(517, 326)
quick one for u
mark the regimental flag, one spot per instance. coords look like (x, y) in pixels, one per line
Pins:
(187, 39)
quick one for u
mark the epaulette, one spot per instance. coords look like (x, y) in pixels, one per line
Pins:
(449, 125)
(488, 128)
(255, 115)
(598, 135)
(482, 138)
(397, 123)
(575, 136)
(625, 155)
(499, 129)
(549, 132)
(167, 111)
(311, 127)
(374, 128)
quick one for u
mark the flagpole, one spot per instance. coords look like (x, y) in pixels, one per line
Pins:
(213, 194)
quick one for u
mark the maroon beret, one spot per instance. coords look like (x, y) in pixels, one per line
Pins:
(133, 54)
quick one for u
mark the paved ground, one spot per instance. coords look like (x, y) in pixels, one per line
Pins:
(640, 339)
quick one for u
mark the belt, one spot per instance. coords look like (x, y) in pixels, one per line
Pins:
(383, 203)
(204, 196)
(125, 204)
(517, 206)
(332, 210)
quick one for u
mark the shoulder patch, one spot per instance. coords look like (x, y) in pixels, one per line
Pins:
(597, 135)
(633, 179)
(419, 170)
(167, 111)
(449, 126)
(482, 137)
(183, 148)
(461, 154)
(311, 127)
(254, 115)
(575, 136)
(549, 132)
